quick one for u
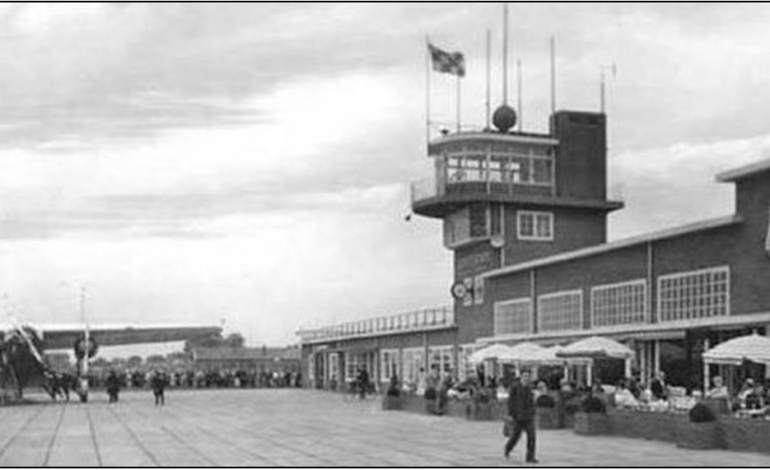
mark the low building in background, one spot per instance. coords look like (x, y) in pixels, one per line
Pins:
(282, 360)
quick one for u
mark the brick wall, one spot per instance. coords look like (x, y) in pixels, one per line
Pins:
(573, 229)
(581, 160)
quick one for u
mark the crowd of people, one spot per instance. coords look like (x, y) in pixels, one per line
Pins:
(215, 378)
(753, 395)
(58, 384)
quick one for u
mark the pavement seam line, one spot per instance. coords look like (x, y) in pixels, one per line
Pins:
(134, 437)
(228, 443)
(93, 438)
(15, 435)
(188, 446)
(245, 430)
(54, 436)
(274, 443)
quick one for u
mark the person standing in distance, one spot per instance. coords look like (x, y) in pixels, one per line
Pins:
(158, 384)
(521, 408)
(113, 386)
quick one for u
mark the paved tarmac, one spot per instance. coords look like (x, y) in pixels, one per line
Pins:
(278, 427)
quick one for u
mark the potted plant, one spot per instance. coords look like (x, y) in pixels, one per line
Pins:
(547, 416)
(592, 418)
(700, 431)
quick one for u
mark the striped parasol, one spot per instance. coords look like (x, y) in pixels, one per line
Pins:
(754, 348)
(522, 352)
(596, 347)
(493, 352)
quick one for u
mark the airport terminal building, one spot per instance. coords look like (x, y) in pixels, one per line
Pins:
(525, 216)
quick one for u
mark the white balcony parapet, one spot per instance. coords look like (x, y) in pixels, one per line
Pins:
(432, 318)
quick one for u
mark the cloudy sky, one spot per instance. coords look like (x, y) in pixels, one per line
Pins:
(251, 162)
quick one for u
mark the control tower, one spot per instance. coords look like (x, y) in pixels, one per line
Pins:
(509, 197)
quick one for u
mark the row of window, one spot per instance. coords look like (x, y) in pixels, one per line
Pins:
(682, 296)
(408, 365)
(475, 222)
(524, 169)
(532, 225)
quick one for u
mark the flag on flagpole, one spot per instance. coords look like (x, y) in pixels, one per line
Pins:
(447, 62)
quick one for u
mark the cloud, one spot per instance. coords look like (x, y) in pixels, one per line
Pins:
(126, 71)
(251, 161)
(294, 162)
(668, 186)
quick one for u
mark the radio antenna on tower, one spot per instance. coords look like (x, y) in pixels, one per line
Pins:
(504, 117)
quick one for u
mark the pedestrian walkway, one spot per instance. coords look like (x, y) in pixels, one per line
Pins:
(289, 427)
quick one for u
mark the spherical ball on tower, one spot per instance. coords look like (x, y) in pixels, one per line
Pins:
(504, 118)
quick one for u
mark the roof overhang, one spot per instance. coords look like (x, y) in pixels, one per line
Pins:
(528, 139)
(731, 176)
(663, 330)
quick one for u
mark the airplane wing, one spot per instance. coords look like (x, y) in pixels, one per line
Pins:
(65, 336)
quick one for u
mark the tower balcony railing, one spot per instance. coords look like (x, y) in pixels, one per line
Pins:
(431, 188)
(418, 320)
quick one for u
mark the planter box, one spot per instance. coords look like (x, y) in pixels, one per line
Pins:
(643, 424)
(392, 403)
(547, 418)
(413, 403)
(592, 424)
(480, 411)
(489, 411)
(699, 435)
(720, 406)
(568, 421)
(431, 406)
(457, 408)
(744, 434)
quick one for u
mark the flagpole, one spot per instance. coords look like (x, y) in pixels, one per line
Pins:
(427, 91)
(505, 53)
(489, 78)
(553, 74)
(519, 85)
(458, 103)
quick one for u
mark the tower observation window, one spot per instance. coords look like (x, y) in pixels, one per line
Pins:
(534, 225)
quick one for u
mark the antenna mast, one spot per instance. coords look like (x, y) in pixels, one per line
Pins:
(505, 53)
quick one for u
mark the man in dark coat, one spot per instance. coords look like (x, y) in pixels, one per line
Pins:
(158, 383)
(521, 408)
(113, 386)
(363, 382)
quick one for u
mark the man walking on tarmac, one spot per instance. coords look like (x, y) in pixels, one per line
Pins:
(521, 408)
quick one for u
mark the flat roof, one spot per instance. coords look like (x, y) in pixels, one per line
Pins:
(744, 171)
(616, 245)
(522, 138)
